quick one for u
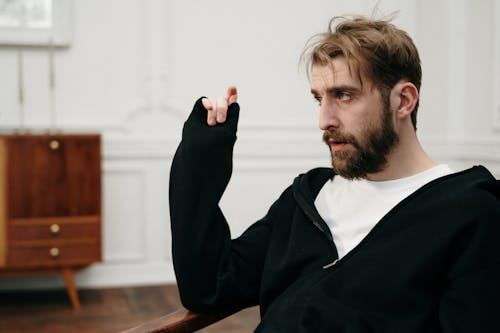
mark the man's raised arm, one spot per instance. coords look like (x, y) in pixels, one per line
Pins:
(213, 272)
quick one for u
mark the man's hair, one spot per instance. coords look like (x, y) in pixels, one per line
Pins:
(374, 48)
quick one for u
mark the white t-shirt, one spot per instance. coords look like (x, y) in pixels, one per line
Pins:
(351, 208)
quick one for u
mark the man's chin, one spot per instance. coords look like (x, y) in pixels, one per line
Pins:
(341, 168)
(345, 168)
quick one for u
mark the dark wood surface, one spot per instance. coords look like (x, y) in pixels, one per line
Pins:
(53, 175)
(103, 310)
(180, 321)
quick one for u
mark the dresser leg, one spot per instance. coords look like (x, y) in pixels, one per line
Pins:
(67, 274)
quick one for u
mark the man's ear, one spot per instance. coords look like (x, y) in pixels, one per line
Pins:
(406, 98)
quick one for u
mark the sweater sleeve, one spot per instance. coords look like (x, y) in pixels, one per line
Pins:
(213, 272)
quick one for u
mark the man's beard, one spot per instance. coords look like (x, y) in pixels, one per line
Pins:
(369, 156)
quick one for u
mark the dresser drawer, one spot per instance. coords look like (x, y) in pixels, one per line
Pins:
(52, 230)
(81, 253)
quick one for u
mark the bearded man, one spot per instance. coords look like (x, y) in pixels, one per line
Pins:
(387, 240)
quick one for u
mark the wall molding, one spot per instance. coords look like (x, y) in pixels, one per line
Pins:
(136, 252)
(139, 274)
(280, 143)
(468, 150)
(99, 276)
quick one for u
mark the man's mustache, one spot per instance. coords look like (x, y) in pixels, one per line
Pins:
(330, 137)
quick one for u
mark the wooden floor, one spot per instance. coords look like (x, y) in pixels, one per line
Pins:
(103, 310)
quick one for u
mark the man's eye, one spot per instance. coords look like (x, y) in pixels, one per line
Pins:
(318, 100)
(343, 96)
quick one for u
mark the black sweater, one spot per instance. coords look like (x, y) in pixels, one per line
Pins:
(432, 264)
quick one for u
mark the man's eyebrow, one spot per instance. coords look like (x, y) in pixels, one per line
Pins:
(338, 89)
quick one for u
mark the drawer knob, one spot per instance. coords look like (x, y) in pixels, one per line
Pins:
(54, 144)
(55, 228)
(54, 252)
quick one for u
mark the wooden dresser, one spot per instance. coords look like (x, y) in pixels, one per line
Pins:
(50, 205)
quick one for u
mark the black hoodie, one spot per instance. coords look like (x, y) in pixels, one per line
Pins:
(432, 264)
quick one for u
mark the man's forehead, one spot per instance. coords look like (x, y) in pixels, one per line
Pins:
(332, 73)
(336, 73)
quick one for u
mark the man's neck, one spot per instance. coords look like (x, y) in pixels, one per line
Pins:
(406, 159)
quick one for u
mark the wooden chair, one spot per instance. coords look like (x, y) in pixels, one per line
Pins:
(180, 321)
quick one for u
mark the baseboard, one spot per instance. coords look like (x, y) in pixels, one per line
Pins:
(98, 276)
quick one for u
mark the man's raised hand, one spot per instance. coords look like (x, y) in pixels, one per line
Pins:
(217, 106)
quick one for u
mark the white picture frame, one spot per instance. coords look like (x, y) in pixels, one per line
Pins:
(35, 22)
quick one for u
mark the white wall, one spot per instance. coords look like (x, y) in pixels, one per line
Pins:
(135, 67)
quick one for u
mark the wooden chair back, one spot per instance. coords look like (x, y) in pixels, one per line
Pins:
(180, 321)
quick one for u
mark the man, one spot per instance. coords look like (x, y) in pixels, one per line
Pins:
(387, 240)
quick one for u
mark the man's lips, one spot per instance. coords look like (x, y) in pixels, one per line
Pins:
(338, 141)
(337, 145)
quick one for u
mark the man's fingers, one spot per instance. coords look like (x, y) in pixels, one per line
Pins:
(217, 107)
(211, 111)
(206, 103)
(231, 95)
(221, 109)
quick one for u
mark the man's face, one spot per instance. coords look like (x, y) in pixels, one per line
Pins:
(357, 125)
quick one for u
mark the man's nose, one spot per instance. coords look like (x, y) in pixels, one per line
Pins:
(328, 117)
